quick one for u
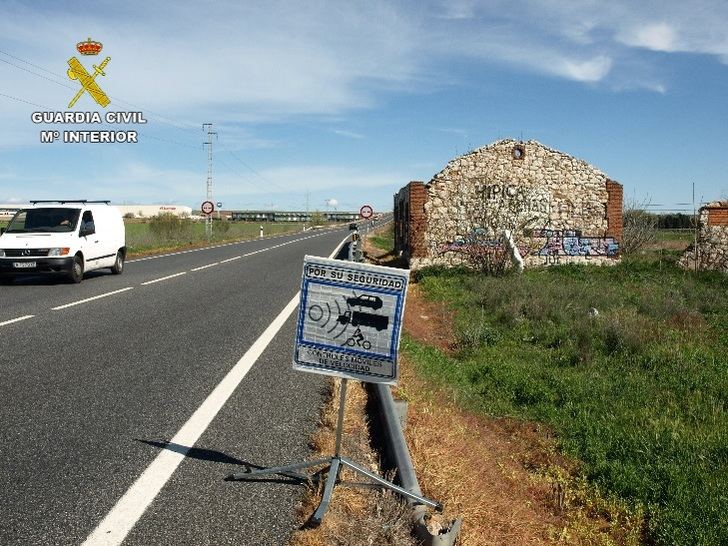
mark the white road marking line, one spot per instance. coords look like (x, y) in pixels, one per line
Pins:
(255, 252)
(131, 506)
(12, 321)
(165, 278)
(230, 259)
(127, 511)
(79, 302)
(188, 251)
(205, 266)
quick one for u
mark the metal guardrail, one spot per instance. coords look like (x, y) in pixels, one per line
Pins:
(397, 453)
(396, 449)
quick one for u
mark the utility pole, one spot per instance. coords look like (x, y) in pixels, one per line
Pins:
(208, 143)
(308, 215)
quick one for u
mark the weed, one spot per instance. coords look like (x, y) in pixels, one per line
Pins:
(384, 239)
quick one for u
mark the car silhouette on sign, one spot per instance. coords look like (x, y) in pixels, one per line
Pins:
(357, 318)
(365, 300)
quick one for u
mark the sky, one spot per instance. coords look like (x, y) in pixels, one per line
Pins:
(330, 104)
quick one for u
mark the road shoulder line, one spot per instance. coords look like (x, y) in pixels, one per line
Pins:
(79, 302)
(13, 321)
(164, 278)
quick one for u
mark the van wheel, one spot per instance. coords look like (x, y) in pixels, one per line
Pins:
(118, 266)
(76, 274)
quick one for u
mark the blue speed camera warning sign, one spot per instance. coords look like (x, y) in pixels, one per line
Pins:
(349, 319)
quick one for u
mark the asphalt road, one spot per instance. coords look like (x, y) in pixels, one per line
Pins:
(93, 389)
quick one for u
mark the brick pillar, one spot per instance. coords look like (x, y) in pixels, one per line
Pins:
(614, 210)
(718, 215)
(400, 222)
(417, 219)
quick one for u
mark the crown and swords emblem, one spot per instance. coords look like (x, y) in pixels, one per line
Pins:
(76, 71)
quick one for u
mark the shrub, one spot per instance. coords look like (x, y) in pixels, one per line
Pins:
(170, 227)
(220, 227)
(639, 228)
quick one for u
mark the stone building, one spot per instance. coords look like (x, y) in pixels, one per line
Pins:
(538, 205)
(712, 247)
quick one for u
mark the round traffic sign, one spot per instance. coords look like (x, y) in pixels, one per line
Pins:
(366, 211)
(219, 205)
(207, 207)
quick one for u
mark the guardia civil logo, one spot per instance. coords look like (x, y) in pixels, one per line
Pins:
(77, 71)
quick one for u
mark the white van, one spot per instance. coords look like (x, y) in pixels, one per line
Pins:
(63, 237)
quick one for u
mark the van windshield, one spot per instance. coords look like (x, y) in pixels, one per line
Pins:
(48, 220)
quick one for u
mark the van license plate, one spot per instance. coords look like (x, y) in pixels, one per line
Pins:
(23, 265)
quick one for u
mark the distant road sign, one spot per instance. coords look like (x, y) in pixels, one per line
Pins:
(219, 205)
(208, 207)
(350, 319)
(366, 212)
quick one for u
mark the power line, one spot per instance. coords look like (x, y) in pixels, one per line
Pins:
(251, 169)
(31, 64)
(36, 74)
(23, 100)
(169, 141)
(239, 175)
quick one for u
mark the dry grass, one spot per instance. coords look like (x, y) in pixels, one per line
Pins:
(356, 516)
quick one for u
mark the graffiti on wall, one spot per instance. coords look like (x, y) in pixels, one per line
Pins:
(475, 242)
(558, 244)
(573, 243)
(479, 243)
(519, 199)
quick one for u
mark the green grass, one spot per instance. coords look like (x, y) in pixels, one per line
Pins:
(638, 393)
(384, 239)
(140, 238)
(685, 236)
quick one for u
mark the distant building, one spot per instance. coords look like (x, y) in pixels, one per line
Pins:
(139, 211)
(148, 211)
(7, 210)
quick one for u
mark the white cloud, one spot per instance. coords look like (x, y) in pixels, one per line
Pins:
(656, 36)
(454, 131)
(591, 70)
(348, 134)
(315, 177)
(455, 9)
(585, 41)
(263, 62)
